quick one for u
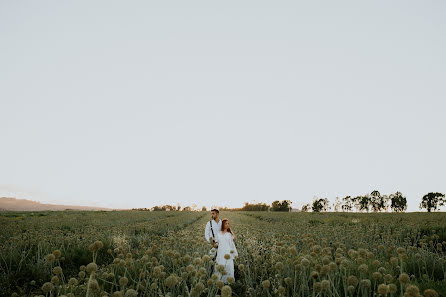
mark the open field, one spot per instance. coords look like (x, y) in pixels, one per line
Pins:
(164, 254)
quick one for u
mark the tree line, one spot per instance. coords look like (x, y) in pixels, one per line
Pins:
(168, 207)
(373, 202)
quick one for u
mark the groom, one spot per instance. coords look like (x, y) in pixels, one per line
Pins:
(212, 227)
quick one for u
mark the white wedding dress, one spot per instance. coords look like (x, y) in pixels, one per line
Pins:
(225, 246)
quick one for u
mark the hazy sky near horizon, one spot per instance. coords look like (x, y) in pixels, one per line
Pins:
(140, 103)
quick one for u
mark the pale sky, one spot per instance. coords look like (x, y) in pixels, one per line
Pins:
(128, 104)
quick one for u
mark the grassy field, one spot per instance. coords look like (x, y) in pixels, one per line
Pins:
(137, 253)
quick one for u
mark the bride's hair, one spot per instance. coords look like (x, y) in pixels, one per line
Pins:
(223, 222)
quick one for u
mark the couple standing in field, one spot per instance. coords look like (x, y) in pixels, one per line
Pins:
(219, 234)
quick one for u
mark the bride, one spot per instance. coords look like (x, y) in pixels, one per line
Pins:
(226, 252)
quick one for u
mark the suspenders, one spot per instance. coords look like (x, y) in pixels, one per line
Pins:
(212, 230)
(213, 238)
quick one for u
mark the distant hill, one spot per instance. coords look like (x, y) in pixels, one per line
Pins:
(13, 204)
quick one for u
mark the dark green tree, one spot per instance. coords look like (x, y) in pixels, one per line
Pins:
(305, 207)
(376, 201)
(379, 202)
(347, 203)
(398, 202)
(275, 206)
(431, 201)
(362, 202)
(320, 205)
(255, 207)
(164, 208)
(284, 205)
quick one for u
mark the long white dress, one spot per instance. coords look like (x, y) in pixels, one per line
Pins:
(225, 246)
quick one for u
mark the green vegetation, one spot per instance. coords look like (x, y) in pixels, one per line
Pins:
(163, 253)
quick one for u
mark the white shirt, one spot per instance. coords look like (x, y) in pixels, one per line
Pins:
(208, 233)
